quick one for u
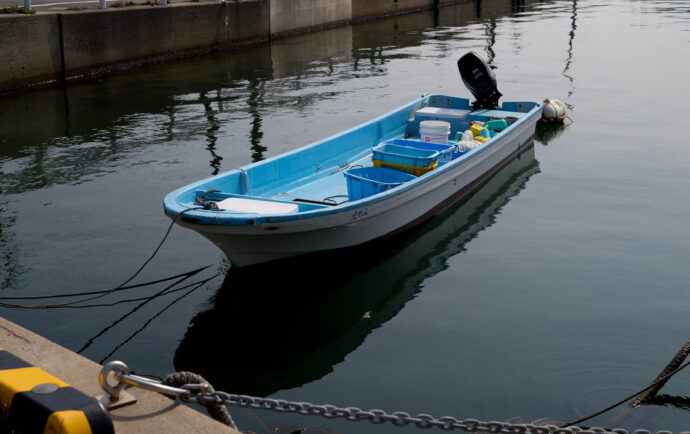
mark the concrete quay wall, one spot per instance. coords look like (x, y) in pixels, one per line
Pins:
(49, 47)
(30, 50)
(366, 9)
(96, 40)
(297, 16)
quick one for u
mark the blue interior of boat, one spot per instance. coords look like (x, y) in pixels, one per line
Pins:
(313, 176)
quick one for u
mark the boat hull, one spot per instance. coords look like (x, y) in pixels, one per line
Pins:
(252, 244)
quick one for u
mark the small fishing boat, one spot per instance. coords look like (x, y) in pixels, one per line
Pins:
(302, 353)
(375, 180)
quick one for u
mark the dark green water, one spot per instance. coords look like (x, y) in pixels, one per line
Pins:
(558, 288)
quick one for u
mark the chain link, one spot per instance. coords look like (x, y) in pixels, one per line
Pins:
(398, 418)
(199, 393)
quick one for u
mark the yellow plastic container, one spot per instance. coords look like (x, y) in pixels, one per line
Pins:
(481, 139)
(476, 129)
(415, 170)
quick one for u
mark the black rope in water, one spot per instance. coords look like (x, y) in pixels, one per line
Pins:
(168, 290)
(74, 304)
(623, 401)
(171, 291)
(123, 288)
(92, 295)
(172, 223)
(140, 329)
(164, 291)
(100, 294)
(122, 318)
(658, 383)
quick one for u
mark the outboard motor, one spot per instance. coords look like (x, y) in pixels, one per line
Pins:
(480, 80)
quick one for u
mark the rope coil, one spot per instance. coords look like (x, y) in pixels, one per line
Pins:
(215, 409)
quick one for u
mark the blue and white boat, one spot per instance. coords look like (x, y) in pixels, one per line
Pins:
(341, 191)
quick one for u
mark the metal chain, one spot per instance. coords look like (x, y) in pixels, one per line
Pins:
(398, 418)
(202, 394)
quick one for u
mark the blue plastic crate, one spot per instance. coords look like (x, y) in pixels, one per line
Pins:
(367, 181)
(404, 155)
(445, 152)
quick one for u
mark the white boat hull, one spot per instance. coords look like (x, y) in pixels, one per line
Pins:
(252, 244)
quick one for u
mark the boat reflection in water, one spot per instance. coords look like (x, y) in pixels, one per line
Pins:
(547, 133)
(292, 321)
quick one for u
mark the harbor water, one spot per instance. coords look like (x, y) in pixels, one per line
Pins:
(557, 288)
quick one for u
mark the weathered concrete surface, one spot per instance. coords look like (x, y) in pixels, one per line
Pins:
(95, 41)
(151, 413)
(100, 39)
(366, 9)
(29, 50)
(291, 16)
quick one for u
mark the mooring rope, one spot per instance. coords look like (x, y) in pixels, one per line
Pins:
(135, 309)
(624, 400)
(123, 288)
(146, 324)
(661, 379)
(168, 290)
(99, 294)
(216, 410)
(172, 223)
(75, 304)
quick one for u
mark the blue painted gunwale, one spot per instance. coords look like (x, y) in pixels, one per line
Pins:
(297, 167)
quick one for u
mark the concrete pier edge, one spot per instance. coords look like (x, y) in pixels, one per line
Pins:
(151, 413)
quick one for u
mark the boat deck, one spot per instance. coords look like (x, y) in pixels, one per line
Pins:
(323, 189)
(329, 190)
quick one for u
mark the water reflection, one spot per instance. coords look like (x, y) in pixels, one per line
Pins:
(490, 42)
(517, 6)
(87, 127)
(320, 312)
(674, 9)
(64, 142)
(680, 402)
(256, 90)
(568, 63)
(545, 133)
(11, 269)
(211, 137)
(65, 97)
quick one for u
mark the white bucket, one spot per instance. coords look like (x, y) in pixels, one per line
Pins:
(434, 131)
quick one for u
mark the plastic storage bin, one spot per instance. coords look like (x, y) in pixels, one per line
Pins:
(367, 181)
(445, 152)
(405, 159)
(457, 118)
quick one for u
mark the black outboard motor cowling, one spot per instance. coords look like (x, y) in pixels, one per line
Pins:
(480, 80)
